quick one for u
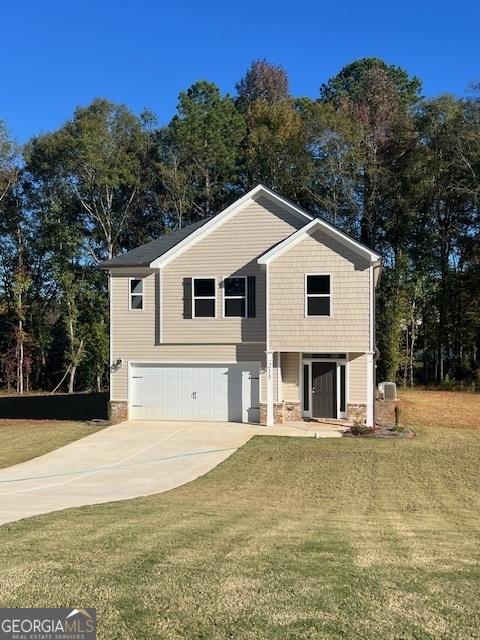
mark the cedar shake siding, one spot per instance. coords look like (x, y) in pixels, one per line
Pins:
(347, 329)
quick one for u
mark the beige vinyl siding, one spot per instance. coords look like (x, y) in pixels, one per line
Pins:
(348, 327)
(290, 373)
(357, 378)
(232, 249)
(133, 338)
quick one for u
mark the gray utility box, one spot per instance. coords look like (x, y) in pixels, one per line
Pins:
(388, 390)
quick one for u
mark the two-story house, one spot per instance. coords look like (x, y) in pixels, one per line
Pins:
(261, 313)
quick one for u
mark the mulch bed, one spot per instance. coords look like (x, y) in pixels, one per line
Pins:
(380, 432)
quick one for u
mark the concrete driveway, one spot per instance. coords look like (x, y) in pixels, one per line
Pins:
(124, 461)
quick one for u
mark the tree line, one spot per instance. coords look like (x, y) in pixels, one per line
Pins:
(371, 155)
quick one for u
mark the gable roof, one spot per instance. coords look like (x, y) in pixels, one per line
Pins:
(159, 252)
(226, 214)
(142, 256)
(308, 229)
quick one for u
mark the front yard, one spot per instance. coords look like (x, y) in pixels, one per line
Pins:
(289, 538)
(22, 440)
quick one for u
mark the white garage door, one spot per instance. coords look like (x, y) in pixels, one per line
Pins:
(226, 392)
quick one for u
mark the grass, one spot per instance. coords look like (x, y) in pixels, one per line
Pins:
(25, 439)
(289, 538)
(453, 409)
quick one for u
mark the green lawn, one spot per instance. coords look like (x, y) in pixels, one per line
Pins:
(22, 440)
(289, 538)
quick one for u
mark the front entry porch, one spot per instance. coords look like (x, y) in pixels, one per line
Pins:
(330, 387)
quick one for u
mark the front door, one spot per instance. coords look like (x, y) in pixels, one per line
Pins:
(324, 389)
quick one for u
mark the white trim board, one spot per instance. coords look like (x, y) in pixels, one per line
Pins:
(225, 215)
(308, 229)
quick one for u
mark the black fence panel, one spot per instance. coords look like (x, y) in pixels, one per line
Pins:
(78, 406)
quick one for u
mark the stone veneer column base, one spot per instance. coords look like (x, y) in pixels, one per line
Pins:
(357, 412)
(117, 411)
(385, 412)
(282, 412)
(292, 412)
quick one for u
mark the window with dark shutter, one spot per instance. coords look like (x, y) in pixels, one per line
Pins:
(234, 297)
(187, 298)
(251, 297)
(204, 297)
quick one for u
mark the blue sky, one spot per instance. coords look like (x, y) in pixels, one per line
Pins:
(60, 54)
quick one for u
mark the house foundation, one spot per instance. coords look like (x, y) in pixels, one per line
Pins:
(357, 412)
(282, 412)
(117, 411)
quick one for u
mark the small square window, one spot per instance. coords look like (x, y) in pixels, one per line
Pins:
(318, 284)
(318, 306)
(234, 308)
(204, 308)
(235, 286)
(204, 287)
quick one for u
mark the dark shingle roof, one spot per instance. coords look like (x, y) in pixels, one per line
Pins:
(142, 256)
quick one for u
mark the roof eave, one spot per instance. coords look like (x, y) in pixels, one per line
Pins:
(296, 237)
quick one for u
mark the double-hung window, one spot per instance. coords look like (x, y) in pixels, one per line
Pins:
(204, 298)
(235, 297)
(317, 295)
(135, 296)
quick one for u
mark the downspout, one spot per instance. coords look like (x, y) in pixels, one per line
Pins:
(378, 265)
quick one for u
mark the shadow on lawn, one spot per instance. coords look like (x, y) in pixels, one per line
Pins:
(78, 406)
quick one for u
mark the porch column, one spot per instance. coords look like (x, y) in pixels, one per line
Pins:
(269, 388)
(370, 389)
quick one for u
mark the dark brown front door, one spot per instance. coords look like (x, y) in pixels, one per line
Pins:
(324, 389)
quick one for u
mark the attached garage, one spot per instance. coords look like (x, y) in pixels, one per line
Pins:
(206, 392)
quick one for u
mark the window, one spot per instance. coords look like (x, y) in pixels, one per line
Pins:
(306, 388)
(136, 294)
(326, 356)
(204, 297)
(343, 388)
(234, 297)
(317, 295)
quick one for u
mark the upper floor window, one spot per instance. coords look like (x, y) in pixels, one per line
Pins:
(136, 294)
(317, 295)
(234, 297)
(204, 298)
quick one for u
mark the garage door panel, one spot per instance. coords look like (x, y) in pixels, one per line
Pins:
(197, 392)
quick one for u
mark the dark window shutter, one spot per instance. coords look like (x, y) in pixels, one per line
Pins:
(187, 298)
(251, 297)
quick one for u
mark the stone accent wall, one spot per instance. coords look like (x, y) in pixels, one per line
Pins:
(117, 411)
(292, 412)
(385, 412)
(278, 411)
(282, 412)
(357, 412)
